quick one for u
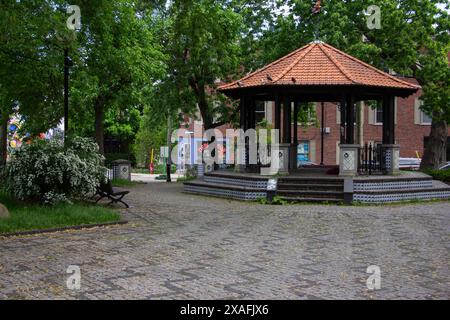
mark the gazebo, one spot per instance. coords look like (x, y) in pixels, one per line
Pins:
(319, 72)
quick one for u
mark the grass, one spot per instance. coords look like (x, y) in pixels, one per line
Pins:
(123, 183)
(140, 170)
(28, 217)
(159, 169)
(185, 179)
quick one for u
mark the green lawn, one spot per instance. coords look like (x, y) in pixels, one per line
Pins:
(123, 183)
(159, 169)
(27, 217)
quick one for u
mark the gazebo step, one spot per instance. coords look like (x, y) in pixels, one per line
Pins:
(311, 194)
(199, 187)
(204, 184)
(310, 181)
(311, 186)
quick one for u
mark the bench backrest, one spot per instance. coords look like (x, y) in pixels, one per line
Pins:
(106, 186)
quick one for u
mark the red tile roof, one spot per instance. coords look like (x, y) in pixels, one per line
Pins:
(319, 64)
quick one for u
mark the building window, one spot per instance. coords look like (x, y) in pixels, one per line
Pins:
(260, 111)
(379, 115)
(420, 117)
(424, 118)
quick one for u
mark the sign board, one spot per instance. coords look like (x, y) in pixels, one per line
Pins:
(164, 152)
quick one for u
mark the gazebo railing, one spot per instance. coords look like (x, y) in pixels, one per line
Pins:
(372, 159)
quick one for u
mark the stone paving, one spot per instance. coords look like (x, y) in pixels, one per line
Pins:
(180, 246)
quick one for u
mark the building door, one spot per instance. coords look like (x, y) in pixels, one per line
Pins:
(303, 153)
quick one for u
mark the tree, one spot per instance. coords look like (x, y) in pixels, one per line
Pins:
(119, 62)
(436, 75)
(203, 45)
(413, 40)
(151, 135)
(30, 66)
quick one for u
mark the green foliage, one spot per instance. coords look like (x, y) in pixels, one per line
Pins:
(203, 43)
(263, 201)
(152, 134)
(186, 179)
(276, 201)
(30, 62)
(161, 169)
(442, 175)
(118, 62)
(264, 125)
(47, 172)
(159, 58)
(307, 115)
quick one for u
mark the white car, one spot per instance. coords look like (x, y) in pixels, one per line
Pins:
(410, 163)
(445, 166)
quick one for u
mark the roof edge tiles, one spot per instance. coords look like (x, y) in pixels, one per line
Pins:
(297, 63)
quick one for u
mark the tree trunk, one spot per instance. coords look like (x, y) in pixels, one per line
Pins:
(208, 118)
(436, 149)
(99, 126)
(3, 138)
(205, 112)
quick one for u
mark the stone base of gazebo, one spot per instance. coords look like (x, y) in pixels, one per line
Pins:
(314, 185)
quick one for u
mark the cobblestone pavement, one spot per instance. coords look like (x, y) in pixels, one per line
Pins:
(179, 246)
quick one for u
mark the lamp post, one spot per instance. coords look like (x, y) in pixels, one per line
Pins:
(66, 90)
(169, 142)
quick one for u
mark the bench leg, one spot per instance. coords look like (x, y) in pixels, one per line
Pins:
(115, 200)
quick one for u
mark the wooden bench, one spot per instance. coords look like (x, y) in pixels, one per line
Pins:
(106, 190)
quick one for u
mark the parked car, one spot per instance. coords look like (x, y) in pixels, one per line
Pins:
(409, 163)
(445, 166)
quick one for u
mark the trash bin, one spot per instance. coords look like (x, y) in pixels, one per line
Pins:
(121, 169)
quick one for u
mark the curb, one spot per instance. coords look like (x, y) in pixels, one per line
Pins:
(54, 230)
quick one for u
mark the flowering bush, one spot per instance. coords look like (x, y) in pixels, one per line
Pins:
(49, 172)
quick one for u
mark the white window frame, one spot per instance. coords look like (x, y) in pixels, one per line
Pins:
(419, 114)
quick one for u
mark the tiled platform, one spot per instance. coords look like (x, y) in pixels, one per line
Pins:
(314, 185)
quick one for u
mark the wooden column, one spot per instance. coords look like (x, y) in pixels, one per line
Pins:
(322, 133)
(388, 120)
(278, 114)
(245, 101)
(350, 120)
(252, 114)
(242, 113)
(343, 126)
(287, 116)
(247, 113)
(296, 110)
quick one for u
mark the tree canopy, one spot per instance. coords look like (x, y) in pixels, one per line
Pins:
(161, 58)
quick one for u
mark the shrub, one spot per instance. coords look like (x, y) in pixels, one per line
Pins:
(49, 172)
(443, 175)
